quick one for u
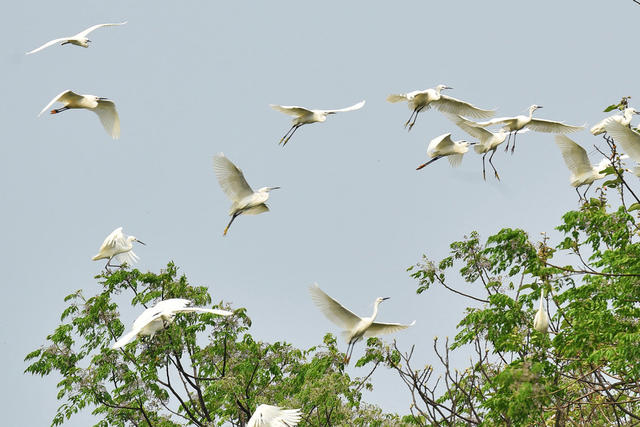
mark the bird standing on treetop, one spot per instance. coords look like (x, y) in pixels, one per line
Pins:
(623, 119)
(117, 245)
(541, 320)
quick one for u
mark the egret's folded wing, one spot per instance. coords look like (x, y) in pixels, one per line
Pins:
(357, 106)
(549, 126)
(626, 137)
(230, 178)
(575, 157)
(59, 97)
(84, 33)
(397, 97)
(379, 328)
(108, 115)
(255, 210)
(456, 106)
(292, 110)
(47, 44)
(332, 309)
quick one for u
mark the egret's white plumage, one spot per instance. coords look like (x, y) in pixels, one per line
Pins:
(160, 316)
(577, 160)
(627, 138)
(354, 327)
(419, 100)
(443, 146)
(305, 116)
(118, 245)
(541, 320)
(623, 119)
(79, 39)
(273, 416)
(104, 108)
(244, 199)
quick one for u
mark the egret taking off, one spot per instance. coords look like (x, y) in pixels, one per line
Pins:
(623, 119)
(273, 416)
(419, 100)
(79, 39)
(118, 245)
(541, 320)
(304, 116)
(160, 316)
(514, 124)
(627, 138)
(105, 109)
(576, 159)
(355, 327)
(245, 200)
(443, 146)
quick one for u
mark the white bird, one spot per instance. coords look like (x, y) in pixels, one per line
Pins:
(305, 116)
(160, 316)
(245, 200)
(118, 245)
(627, 138)
(104, 108)
(273, 416)
(419, 100)
(541, 320)
(79, 39)
(624, 119)
(443, 146)
(355, 327)
(576, 159)
(514, 124)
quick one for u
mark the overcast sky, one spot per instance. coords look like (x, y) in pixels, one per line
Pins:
(192, 79)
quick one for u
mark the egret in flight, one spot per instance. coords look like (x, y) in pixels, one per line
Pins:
(355, 327)
(304, 116)
(160, 316)
(514, 124)
(419, 100)
(541, 320)
(443, 146)
(245, 200)
(576, 159)
(118, 245)
(104, 108)
(273, 416)
(623, 119)
(626, 138)
(79, 39)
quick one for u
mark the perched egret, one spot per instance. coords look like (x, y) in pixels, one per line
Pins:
(624, 119)
(541, 321)
(514, 124)
(304, 116)
(160, 316)
(419, 100)
(443, 146)
(273, 416)
(79, 39)
(245, 200)
(627, 138)
(355, 327)
(576, 159)
(105, 109)
(118, 246)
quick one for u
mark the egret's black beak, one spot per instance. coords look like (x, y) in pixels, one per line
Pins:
(142, 243)
(385, 298)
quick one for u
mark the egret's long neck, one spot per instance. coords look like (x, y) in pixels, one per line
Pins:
(375, 310)
(541, 298)
(531, 110)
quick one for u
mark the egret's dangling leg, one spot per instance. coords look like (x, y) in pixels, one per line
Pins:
(229, 225)
(289, 134)
(494, 168)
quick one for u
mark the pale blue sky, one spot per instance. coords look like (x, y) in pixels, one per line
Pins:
(191, 79)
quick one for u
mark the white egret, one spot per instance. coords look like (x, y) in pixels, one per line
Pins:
(104, 108)
(576, 159)
(118, 245)
(79, 39)
(419, 100)
(514, 124)
(627, 138)
(273, 416)
(541, 320)
(443, 146)
(245, 200)
(355, 327)
(624, 119)
(304, 116)
(160, 316)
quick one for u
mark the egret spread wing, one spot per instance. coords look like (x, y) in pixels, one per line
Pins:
(549, 126)
(128, 257)
(106, 111)
(575, 157)
(332, 309)
(357, 106)
(125, 339)
(470, 127)
(112, 239)
(627, 138)
(147, 316)
(47, 44)
(84, 33)
(396, 97)
(379, 328)
(205, 310)
(273, 416)
(291, 110)
(61, 97)
(230, 178)
(452, 105)
(441, 143)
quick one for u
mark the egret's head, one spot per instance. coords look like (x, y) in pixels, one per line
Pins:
(134, 239)
(442, 87)
(534, 107)
(84, 42)
(380, 299)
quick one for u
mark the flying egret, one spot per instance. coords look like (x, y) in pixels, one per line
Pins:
(118, 245)
(105, 109)
(541, 320)
(245, 200)
(160, 316)
(624, 119)
(627, 138)
(79, 39)
(273, 416)
(576, 159)
(355, 327)
(443, 146)
(514, 124)
(305, 116)
(419, 100)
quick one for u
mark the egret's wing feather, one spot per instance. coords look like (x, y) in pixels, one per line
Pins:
(470, 127)
(255, 210)
(396, 97)
(332, 309)
(128, 257)
(455, 160)
(230, 178)
(47, 44)
(111, 241)
(549, 126)
(273, 416)
(84, 33)
(575, 157)
(379, 328)
(626, 137)
(59, 97)
(108, 115)
(357, 106)
(205, 310)
(125, 339)
(440, 143)
(452, 105)
(496, 121)
(292, 110)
